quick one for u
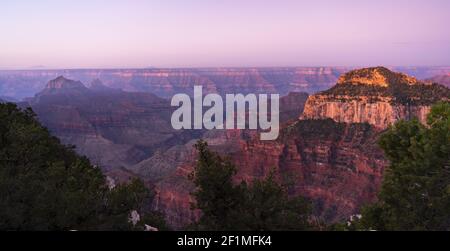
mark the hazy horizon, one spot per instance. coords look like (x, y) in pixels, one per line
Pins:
(101, 34)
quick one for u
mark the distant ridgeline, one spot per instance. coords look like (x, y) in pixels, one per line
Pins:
(167, 82)
(377, 96)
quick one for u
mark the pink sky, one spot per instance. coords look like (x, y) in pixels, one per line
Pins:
(188, 33)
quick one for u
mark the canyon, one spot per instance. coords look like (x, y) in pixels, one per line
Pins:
(332, 161)
(112, 127)
(117, 129)
(327, 149)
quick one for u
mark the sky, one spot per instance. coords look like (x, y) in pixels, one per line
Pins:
(223, 33)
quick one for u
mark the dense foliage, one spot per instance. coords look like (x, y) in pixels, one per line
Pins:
(45, 185)
(262, 205)
(415, 193)
(416, 94)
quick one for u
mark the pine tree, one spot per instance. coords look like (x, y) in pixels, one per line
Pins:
(415, 193)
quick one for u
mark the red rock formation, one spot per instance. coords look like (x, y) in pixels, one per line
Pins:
(338, 166)
(377, 96)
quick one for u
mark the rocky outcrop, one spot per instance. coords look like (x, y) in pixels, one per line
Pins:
(377, 76)
(376, 96)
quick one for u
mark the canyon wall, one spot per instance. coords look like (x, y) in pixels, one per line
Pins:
(336, 165)
(380, 114)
